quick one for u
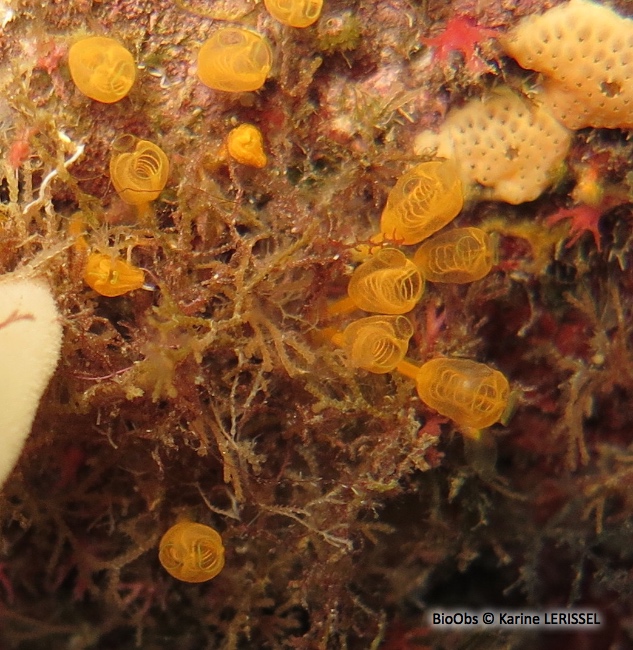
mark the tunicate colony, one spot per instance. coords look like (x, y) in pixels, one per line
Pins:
(471, 150)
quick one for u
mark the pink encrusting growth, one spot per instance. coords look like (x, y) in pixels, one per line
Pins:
(462, 35)
(593, 198)
(583, 218)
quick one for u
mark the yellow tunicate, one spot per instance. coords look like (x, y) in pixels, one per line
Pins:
(234, 60)
(112, 276)
(377, 343)
(460, 255)
(387, 283)
(191, 552)
(101, 68)
(296, 13)
(246, 145)
(423, 200)
(470, 393)
(138, 169)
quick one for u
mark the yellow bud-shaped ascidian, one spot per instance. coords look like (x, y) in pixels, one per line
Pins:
(296, 13)
(101, 68)
(470, 393)
(138, 169)
(377, 343)
(191, 552)
(460, 255)
(246, 145)
(234, 60)
(386, 283)
(423, 200)
(112, 276)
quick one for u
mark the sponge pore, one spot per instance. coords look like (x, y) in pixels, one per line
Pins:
(585, 51)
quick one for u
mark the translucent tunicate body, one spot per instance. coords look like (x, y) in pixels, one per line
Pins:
(234, 60)
(138, 169)
(423, 200)
(460, 255)
(191, 552)
(386, 283)
(111, 276)
(101, 68)
(296, 13)
(377, 343)
(470, 393)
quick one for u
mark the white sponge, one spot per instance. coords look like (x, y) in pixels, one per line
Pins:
(30, 342)
(504, 143)
(585, 51)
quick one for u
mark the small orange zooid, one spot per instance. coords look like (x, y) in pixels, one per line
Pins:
(191, 552)
(112, 276)
(245, 145)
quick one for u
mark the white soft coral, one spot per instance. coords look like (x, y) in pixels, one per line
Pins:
(30, 341)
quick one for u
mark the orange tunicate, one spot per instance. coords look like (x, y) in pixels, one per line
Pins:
(387, 283)
(422, 201)
(112, 276)
(377, 343)
(101, 68)
(245, 144)
(296, 13)
(234, 60)
(138, 169)
(191, 552)
(470, 393)
(459, 256)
